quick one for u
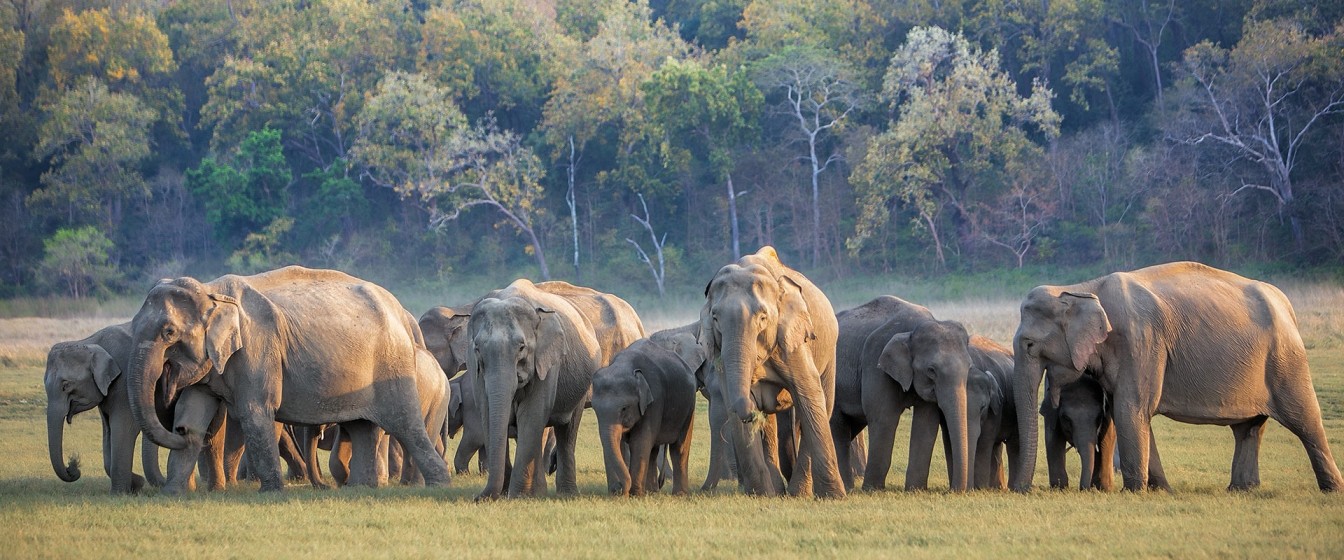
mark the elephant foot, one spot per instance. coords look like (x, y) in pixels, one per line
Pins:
(137, 483)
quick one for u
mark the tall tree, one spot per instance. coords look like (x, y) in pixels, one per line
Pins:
(704, 114)
(962, 137)
(1261, 101)
(95, 141)
(415, 140)
(819, 94)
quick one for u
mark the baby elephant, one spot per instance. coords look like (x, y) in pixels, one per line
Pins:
(643, 400)
(1076, 415)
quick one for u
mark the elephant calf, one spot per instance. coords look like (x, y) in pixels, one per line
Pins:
(1078, 416)
(644, 399)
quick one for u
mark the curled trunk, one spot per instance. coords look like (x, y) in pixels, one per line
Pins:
(146, 368)
(1026, 382)
(55, 443)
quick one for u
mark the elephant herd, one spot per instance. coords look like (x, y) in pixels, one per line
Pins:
(268, 365)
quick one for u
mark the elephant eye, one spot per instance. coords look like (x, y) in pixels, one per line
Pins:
(169, 332)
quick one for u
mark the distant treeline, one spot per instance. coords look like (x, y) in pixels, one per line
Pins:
(652, 140)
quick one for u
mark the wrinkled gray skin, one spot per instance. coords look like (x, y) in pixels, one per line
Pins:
(684, 342)
(1080, 420)
(87, 373)
(643, 399)
(766, 324)
(534, 349)
(925, 368)
(341, 348)
(1191, 342)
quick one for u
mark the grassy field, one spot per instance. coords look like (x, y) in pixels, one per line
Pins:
(40, 516)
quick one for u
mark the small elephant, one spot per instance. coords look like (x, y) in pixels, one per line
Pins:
(645, 398)
(465, 419)
(1080, 419)
(1185, 340)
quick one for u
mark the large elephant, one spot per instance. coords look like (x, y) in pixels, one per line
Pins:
(644, 400)
(767, 324)
(1184, 340)
(341, 348)
(890, 315)
(534, 349)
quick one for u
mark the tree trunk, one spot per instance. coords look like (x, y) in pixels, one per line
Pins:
(732, 218)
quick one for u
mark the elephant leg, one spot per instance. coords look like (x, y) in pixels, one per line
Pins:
(643, 463)
(415, 443)
(816, 451)
(1133, 430)
(262, 448)
(366, 452)
(396, 460)
(1246, 457)
(841, 437)
(770, 453)
(549, 452)
(233, 450)
(1299, 411)
(923, 432)
(718, 452)
(681, 453)
(1104, 477)
(341, 451)
(881, 442)
(149, 459)
(119, 454)
(1157, 478)
(308, 440)
(566, 440)
(211, 462)
(296, 468)
(1056, 449)
(462, 457)
(787, 436)
(858, 455)
(527, 456)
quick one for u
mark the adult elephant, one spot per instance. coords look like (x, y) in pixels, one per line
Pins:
(295, 344)
(1191, 342)
(533, 351)
(767, 324)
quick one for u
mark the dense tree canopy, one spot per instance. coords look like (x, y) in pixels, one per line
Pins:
(445, 138)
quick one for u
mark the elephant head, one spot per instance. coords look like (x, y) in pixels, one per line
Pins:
(445, 331)
(513, 343)
(1059, 331)
(77, 379)
(934, 361)
(182, 331)
(749, 312)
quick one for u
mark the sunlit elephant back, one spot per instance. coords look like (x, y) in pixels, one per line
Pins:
(341, 348)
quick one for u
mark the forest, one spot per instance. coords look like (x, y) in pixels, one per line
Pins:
(654, 140)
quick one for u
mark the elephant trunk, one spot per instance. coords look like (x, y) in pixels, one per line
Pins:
(736, 378)
(146, 367)
(618, 472)
(56, 412)
(952, 402)
(499, 405)
(1087, 453)
(1027, 373)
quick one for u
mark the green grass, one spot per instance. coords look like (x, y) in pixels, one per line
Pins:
(40, 516)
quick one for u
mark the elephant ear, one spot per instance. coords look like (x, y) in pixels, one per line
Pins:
(642, 387)
(995, 395)
(550, 346)
(896, 361)
(105, 369)
(1085, 326)
(223, 328)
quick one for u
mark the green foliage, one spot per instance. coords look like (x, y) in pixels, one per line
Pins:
(243, 196)
(77, 260)
(95, 141)
(261, 250)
